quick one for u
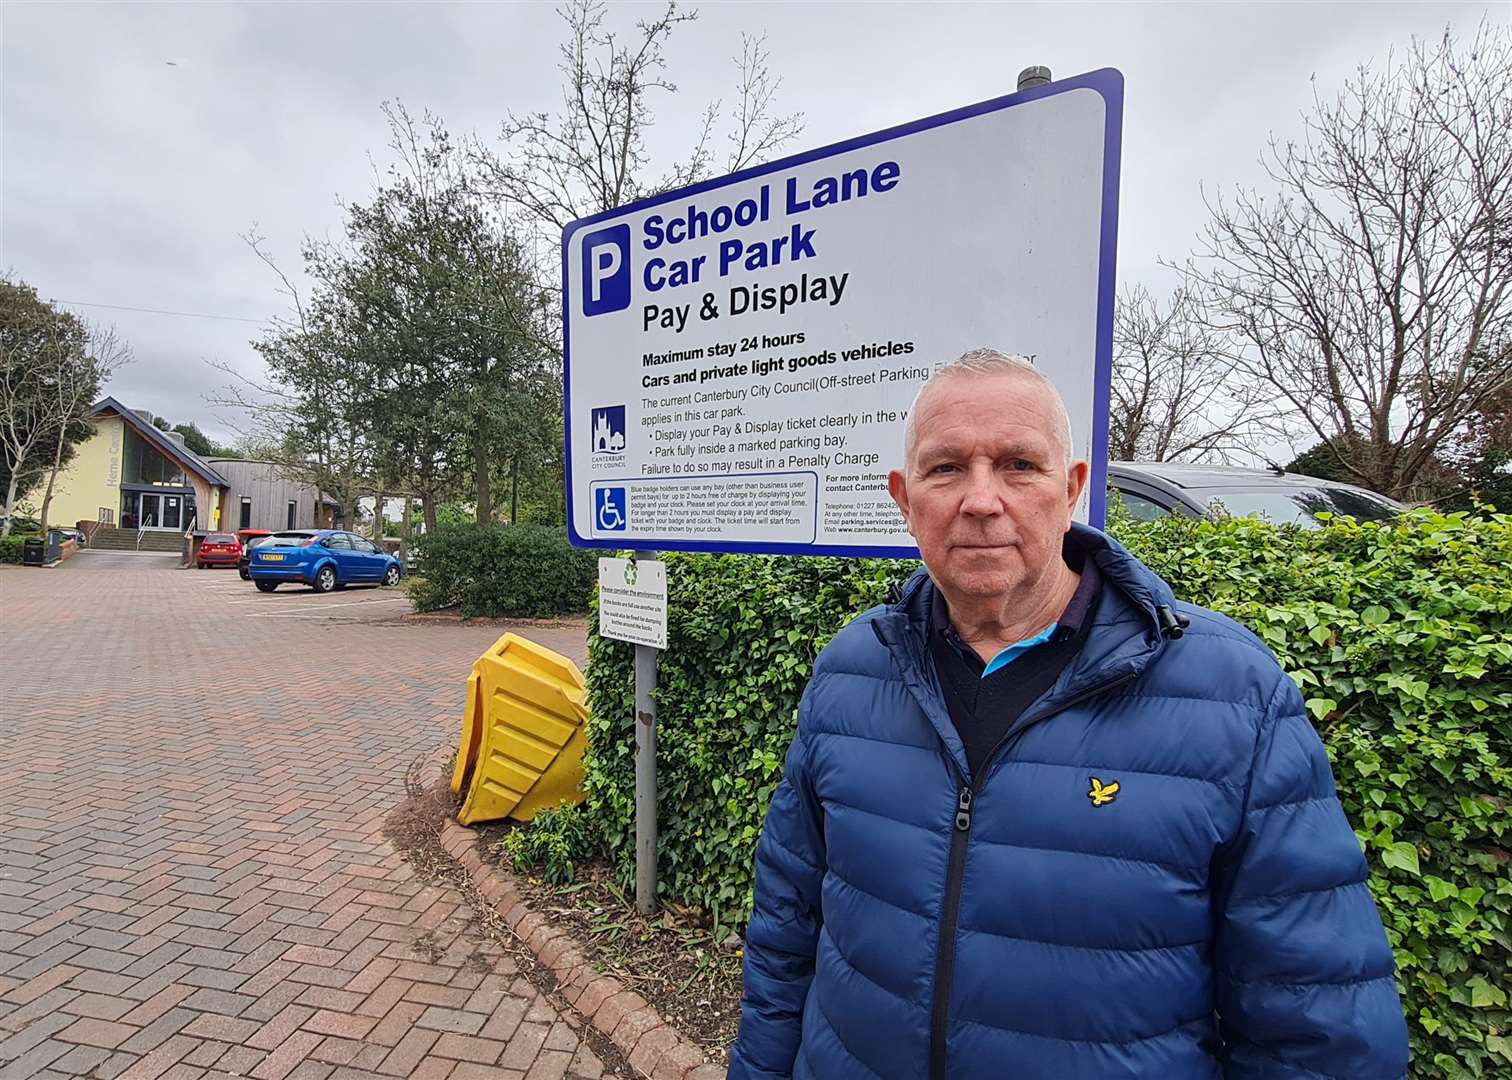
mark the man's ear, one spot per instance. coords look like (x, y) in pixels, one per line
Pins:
(1076, 483)
(897, 487)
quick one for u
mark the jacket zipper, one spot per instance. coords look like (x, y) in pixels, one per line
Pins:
(956, 871)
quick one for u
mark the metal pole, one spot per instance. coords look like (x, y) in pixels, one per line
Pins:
(645, 771)
(1031, 77)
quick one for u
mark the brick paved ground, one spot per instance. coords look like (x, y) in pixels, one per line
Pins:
(193, 880)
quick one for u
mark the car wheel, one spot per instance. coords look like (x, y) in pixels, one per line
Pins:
(391, 576)
(245, 576)
(325, 581)
(266, 586)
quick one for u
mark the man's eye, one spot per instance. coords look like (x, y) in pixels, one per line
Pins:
(1020, 465)
(944, 467)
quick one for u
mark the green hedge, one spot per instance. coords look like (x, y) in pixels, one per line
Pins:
(1400, 637)
(1401, 640)
(743, 632)
(10, 547)
(503, 570)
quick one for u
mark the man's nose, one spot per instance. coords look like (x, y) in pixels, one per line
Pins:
(980, 499)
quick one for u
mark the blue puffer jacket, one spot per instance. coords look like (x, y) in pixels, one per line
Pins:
(1210, 919)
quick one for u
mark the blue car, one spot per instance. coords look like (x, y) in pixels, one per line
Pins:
(324, 559)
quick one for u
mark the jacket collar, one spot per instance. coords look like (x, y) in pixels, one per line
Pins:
(1128, 631)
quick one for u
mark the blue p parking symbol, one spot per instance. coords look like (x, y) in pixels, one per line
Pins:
(606, 270)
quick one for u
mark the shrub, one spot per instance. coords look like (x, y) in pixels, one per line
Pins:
(1400, 637)
(743, 632)
(553, 844)
(503, 570)
(10, 547)
(1401, 640)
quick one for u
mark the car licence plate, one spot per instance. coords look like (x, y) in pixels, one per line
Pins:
(272, 558)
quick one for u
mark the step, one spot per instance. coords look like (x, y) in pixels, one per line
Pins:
(123, 540)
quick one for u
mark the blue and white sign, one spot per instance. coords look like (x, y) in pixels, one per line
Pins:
(741, 355)
(609, 510)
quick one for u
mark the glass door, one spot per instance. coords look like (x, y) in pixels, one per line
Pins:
(162, 512)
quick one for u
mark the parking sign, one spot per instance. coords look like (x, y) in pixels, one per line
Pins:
(741, 355)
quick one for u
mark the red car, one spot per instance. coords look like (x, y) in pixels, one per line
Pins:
(249, 538)
(219, 549)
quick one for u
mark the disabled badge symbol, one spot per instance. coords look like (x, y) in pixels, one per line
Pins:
(609, 509)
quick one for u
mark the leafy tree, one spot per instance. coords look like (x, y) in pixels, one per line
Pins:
(1371, 288)
(425, 361)
(195, 440)
(305, 414)
(1323, 461)
(445, 308)
(52, 366)
(422, 363)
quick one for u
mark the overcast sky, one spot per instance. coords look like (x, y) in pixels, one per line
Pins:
(138, 141)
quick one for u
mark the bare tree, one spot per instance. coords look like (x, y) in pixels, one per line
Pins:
(304, 423)
(1176, 392)
(593, 154)
(1370, 289)
(75, 380)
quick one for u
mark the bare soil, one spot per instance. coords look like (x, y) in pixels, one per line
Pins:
(453, 615)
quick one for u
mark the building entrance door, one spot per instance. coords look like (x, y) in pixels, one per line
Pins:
(164, 513)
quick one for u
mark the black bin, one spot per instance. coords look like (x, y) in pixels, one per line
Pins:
(34, 551)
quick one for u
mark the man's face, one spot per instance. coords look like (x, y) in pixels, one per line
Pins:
(987, 492)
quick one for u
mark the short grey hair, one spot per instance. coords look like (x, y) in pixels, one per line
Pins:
(989, 362)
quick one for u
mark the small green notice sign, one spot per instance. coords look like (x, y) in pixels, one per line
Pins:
(633, 601)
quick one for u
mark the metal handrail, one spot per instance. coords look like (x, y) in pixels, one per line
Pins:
(141, 532)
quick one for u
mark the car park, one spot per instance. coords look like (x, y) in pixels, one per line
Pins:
(218, 549)
(1153, 490)
(324, 559)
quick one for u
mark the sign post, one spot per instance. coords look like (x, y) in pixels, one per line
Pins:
(645, 756)
(740, 356)
(633, 608)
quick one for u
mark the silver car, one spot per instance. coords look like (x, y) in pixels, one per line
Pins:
(1151, 490)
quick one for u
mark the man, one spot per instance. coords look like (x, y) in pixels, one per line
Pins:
(1042, 821)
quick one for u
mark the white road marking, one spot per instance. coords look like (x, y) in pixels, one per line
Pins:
(284, 613)
(304, 596)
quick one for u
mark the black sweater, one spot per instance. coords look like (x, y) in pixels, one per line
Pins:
(984, 709)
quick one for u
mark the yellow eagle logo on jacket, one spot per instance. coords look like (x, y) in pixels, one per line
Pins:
(1102, 794)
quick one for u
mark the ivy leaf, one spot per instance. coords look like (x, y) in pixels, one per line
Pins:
(1321, 706)
(1402, 856)
(1440, 889)
(1374, 615)
(1500, 1044)
(1483, 995)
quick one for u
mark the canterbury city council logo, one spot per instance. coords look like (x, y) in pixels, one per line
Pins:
(1102, 795)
